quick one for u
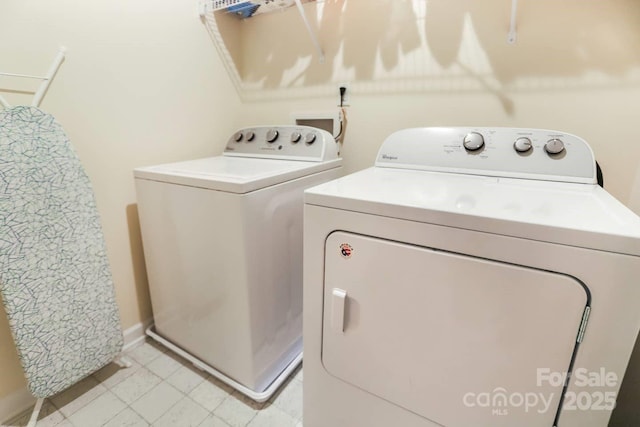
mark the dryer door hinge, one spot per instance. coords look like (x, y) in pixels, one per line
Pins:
(583, 324)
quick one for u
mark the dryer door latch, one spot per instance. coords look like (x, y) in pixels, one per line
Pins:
(338, 300)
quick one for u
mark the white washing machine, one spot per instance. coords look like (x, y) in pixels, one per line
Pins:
(222, 240)
(475, 277)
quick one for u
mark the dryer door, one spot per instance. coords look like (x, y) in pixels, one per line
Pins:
(458, 340)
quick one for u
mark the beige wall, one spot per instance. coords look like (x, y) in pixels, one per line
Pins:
(575, 67)
(142, 84)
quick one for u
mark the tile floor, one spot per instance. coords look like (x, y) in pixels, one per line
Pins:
(162, 389)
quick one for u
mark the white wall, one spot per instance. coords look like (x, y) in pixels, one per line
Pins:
(142, 84)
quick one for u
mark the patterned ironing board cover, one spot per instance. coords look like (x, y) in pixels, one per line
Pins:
(55, 279)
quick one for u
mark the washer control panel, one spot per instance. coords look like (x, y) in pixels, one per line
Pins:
(283, 142)
(508, 152)
(522, 144)
(473, 141)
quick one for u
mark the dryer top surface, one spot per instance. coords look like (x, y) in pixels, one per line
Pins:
(532, 183)
(574, 214)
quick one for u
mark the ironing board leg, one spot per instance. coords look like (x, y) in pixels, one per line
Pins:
(123, 362)
(36, 411)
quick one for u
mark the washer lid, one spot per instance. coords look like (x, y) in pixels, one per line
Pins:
(573, 214)
(233, 174)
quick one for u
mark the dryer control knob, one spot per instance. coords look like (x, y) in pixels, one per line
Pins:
(473, 141)
(295, 137)
(310, 138)
(250, 136)
(272, 135)
(554, 146)
(522, 144)
(238, 136)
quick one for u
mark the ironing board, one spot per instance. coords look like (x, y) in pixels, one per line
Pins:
(55, 279)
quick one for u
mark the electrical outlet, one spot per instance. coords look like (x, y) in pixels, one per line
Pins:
(347, 94)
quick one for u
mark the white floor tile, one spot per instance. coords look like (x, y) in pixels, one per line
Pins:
(235, 412)
(127, 418)
(289, 399)
(77, 396)
(298, 375)
(98, 412)
(213, 421)
(146, 352)
(186, 378)
(164, 365)
(136, 385)
(209, 394)
(185, 413)
(249, 402)
(156, 401)
(272, 416)
(113, 374)
(48, 416)
(186, 397)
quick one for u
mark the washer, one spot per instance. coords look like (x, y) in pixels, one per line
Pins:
(222, 240)
(462, 279)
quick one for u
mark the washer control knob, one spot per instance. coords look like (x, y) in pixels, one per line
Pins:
(272, 135)
(522, 144)
(554, 146)
(310, 138)
(238, 136)
(473, 141)
(295, 137)
(250, 136)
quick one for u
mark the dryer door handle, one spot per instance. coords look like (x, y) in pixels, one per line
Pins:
(338, 302)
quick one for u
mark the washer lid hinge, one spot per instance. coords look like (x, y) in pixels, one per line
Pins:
(583, 324)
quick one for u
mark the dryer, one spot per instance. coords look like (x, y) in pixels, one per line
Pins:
(474, 277)
(222, 242)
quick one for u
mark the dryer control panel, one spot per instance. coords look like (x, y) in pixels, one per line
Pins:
(283, 142)
(506, 152)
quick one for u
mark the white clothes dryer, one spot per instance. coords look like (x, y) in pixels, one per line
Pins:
(222, 241)
(475, 277)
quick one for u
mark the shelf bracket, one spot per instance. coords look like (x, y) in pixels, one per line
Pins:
(313, 35)
(513, 34)
(209, 6)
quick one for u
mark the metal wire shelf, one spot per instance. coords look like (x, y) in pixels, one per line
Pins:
(208, 7)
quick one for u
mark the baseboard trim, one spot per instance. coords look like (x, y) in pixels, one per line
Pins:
(19, 401)
(15, 404)
(135, 335)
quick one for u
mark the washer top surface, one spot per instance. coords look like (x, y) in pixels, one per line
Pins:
(539, 204)
(249, 165)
